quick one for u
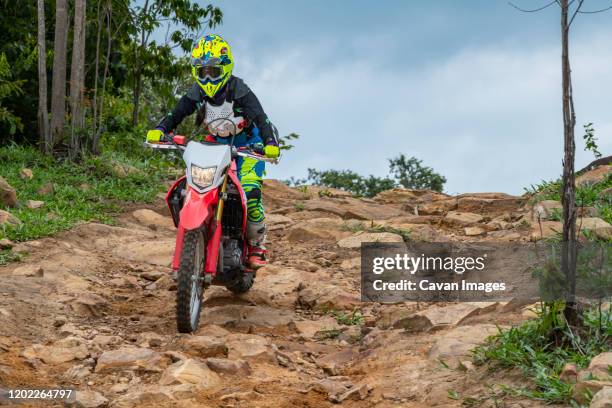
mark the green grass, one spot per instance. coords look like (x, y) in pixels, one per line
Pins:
(356, 227)
(100, 200)
(6, 256)
(348, 319)
(586, 196)
(542, 346)
(546, 190)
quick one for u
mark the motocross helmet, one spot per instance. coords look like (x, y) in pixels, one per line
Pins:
(211, 63)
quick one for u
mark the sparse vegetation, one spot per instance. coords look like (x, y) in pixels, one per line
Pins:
(325, 193)
(586, 196)
(329, 334)
(348, 319)
(404, 172)
(590, 141)
(356, 227)
(90, 190)
(541, 347)
(6, 256)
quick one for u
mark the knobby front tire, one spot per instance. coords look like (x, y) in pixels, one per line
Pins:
(190, 290)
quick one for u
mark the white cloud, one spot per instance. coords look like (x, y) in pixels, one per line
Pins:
(486, 118)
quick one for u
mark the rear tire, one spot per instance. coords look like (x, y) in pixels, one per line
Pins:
(243, 283)
(189, 288)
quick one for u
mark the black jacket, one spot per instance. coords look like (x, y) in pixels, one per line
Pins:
(246, 105)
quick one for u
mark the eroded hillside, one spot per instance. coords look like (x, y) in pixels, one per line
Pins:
(93, 309)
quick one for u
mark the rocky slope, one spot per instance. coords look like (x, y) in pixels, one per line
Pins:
(93, 309)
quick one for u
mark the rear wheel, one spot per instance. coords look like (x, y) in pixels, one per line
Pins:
(242, 283)
(190, 287)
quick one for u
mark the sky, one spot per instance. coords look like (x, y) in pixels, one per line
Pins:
(471, 87)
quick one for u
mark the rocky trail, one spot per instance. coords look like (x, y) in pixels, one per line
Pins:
(93, 309)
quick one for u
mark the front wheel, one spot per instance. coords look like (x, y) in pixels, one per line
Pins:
(190, 289)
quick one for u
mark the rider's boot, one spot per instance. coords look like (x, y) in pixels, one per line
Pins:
(256, 236)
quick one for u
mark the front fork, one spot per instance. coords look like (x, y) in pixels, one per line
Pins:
(212, 231)
(213, 245)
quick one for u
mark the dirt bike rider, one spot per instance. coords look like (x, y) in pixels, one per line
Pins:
(216, 94)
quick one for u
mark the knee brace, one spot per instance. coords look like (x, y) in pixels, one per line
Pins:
(256, 233)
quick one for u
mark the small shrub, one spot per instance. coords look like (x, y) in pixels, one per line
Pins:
(348, 319)
(6, 256)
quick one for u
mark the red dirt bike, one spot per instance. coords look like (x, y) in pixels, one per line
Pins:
(208, 206)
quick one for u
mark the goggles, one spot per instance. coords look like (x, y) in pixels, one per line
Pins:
(209, 72)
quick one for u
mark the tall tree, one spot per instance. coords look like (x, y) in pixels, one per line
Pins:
(97, 128)
(568, 198)
(43, 114)
(152, 60)
(569, 254)
(9, 87)
(58, 86)
(411, 173)
(100, 17)
(77, 76)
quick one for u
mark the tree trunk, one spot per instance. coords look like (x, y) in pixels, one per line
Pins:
(94, 131)
(137, 91)
(43, 114)
(137, 68)
(58, 87)
(77, 77)
(568, 199)
(96, 141)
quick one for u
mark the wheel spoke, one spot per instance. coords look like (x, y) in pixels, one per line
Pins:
(196, 285)
(189, 282)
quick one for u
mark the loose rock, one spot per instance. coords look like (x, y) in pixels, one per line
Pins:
(89, 399)
(436, 318)
(26, 174)
(152, 219)
(454, 346)
(6, 243)
(474, 231)
(8, 196)
(68, 349)
(356, 240)
(602, 399)
(251, 348)
(462, 218)
(8, 218)
(227, 366)
(204, 346)
(46, 189)
(131, 358)
(594, 176)
(597, 226)
(33, 204)
(190, 372)
(28, 270)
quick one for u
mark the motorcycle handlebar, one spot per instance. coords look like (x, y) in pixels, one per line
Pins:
(163, 146)
(243, 152)
(273, 160)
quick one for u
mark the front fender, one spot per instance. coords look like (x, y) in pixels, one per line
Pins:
(198, 209)
(197, 212)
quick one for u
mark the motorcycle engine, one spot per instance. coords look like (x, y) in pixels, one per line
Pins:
(232, 254)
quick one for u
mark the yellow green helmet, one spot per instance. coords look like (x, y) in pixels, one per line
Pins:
(211, 63)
